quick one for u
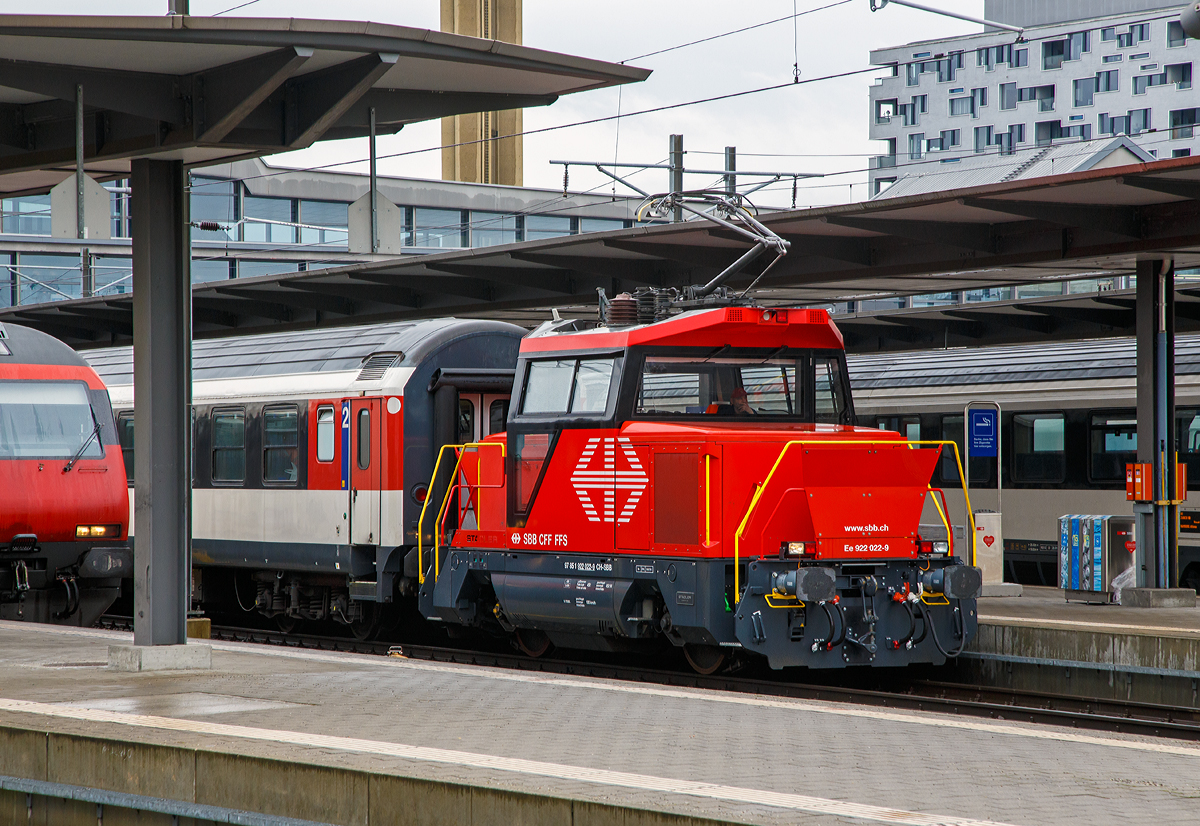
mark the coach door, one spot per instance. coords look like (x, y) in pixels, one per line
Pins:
(365, 430)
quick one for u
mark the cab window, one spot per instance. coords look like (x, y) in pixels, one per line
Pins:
(578, 386)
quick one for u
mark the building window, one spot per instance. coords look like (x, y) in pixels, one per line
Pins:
(1113, 58)
(489, 229)
(600, 224)
(268, 220)
(1109, 81)
(915, 149)
(1175, 35)
(983, 137)
(546, 226)
(1008, 96)
(1133, 122)
(1085, 91)
(1053, 54)
(950, 138)
(1182, 123)
(1179, 74)
(229, 446)
(214, 200)
(962, 106)
(281, 452)
(326, 434)
(324, 222)
(27, 215)
(1181, 153)
(435, 228)
(1039, 453)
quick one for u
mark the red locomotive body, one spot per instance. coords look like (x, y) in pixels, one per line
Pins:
(698, 480)
(63, 500)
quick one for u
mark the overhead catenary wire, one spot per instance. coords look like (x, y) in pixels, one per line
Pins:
(792, 16)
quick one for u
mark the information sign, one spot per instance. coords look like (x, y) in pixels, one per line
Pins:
(983, 432)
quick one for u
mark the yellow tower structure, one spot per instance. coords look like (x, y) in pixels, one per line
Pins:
(473, 149)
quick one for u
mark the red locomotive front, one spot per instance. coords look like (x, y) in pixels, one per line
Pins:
(64, 507)
(700, 480)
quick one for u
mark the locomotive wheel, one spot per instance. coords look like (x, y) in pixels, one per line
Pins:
(365, 628)
(533, 643)
(285, 623)
(704, 659)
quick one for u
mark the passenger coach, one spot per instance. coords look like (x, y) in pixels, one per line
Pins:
(311, 456)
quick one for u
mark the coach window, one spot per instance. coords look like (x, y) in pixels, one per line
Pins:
(981, 466)
(1187, 428)
(1039, 453)
(498, 416)
(125, 438)
(325, 434)
(281, 452)
(229, 446)
(466, 421)
(364, 439)
(907, 426)
(1113, 445)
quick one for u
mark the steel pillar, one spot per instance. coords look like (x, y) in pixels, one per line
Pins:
(676, 164)
(730, 169)
(162, 341)
(1157, 538)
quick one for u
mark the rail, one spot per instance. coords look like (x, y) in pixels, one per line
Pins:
(442, 509)
(758, 492)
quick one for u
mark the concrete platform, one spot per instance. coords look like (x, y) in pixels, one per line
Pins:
(1041, 642)
(368, 740)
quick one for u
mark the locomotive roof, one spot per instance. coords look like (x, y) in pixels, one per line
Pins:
(754, 327)
(1060, 361)
(308, 351)
(29, 346)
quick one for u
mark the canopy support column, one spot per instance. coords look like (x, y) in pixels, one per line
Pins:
(1157, 540)
(162, 338)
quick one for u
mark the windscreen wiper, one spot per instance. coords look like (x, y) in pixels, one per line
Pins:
(79, 453)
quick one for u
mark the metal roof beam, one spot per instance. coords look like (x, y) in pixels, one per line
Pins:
(464, 287)
(316, 102)
(242, 306)
(303, 301)
(211, 316)
(1167, 186)
(849, 250)
(147, 95)
(1118, 220)
(394, 108)
(639, 271)
(977, 237)
(538, 278)
(358, 292)
(225, 96)
(1017, 321)
(1105, 318)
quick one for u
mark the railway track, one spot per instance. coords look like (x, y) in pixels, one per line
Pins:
(1144, 719)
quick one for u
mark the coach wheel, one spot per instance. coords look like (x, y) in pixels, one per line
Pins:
(704, 659)
(533, 643)
(285, 623)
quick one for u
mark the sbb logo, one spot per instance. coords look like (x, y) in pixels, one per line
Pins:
(616, 468)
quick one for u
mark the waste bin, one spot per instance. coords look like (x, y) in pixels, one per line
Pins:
(1092, 551)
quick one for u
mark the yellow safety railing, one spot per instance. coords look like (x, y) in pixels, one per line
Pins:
(442, 509)
(758, 492)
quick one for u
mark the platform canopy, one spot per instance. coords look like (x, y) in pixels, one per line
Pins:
(1096, 222)
(207, 89)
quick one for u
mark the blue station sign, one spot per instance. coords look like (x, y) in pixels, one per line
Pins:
(983, 432)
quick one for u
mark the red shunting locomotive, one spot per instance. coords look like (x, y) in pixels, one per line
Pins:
(697, 480)
(63, 500)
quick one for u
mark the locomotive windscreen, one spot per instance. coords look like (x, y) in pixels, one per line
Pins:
(799, 386)
(46, 420)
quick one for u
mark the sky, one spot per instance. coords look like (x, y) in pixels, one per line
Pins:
(818, 127)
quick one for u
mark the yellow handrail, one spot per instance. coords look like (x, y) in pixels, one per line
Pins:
(441, 509)
(758, 490)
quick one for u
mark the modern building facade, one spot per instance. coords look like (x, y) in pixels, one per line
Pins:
(252, 219)
(1072, 77)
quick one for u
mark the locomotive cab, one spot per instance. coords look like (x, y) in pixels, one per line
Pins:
(698, 480)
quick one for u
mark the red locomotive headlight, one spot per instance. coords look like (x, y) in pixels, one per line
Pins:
(97, 531)
(420, 492)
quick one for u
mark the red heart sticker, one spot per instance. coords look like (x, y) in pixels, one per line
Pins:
(988, 540)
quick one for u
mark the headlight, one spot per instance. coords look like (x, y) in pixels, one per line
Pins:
(795, 548)
(941, 547)
(97, 531)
